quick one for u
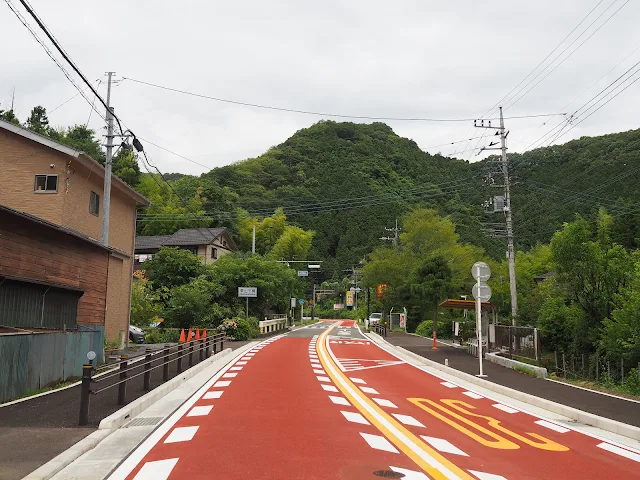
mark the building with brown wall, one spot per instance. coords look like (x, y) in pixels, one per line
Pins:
(64, 186)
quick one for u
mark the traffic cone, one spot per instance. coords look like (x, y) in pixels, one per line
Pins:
(182, 336)
(197, 334)
(204, 333)
(189, 336)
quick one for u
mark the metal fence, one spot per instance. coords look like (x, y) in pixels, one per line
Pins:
(514, 341)
(589, 367)
(143, 365)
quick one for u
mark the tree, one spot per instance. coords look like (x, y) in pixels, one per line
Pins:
(126, 167)
(9, 116)
(430, 284)
(172, 267)
(81, 138)
(293, 244)
(144, 304)
(38, 121)
(193, 304)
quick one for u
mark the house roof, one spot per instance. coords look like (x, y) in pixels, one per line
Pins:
(152, 241)
(63, 229)
(82, 157)
(183, 237)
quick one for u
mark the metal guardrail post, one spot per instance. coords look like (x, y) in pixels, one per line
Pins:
(87, 371)
(201, 349)
(208, 346)
(215, 344)
(165, 367)
(180, 350)
(222, 342)
(147, 370)
(191, 354)
(122, 387)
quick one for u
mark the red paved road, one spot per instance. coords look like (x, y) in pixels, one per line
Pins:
(286, 411)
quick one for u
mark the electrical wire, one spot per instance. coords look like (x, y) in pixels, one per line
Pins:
(323, 114)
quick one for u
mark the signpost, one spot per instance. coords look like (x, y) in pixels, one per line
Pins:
(303, 273)
(247, 292)
(482, 293)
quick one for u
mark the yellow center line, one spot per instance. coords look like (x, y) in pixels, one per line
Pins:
(429, 460)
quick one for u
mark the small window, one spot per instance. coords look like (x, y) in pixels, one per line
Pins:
(46, 183)
(94, 203)
(214, 253)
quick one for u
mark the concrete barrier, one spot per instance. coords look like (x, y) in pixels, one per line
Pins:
(539, 372)
(275, 324)
(583, 417)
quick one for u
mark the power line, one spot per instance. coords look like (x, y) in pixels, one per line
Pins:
(322, 114)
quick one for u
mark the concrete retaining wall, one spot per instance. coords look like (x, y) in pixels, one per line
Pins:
(512, 364)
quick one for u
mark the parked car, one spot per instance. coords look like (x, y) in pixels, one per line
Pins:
(375, 318)
(136, 334)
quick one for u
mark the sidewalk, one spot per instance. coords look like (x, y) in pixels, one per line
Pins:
(34, 431)
(602, 405)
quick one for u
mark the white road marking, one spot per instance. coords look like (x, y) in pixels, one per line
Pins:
(158, 470)
(322, 378)
(246, 359)
(229, 375)
(379, 442)
(552, 426)
(319, 371)
(487, 476)
(384, 403)
(369, 390)
(200, 411)
(250, 355)
(329, 388)
(355, 417)
(443, 445)
(619, 451)
(316, 365)
(472, 395)
(448, 384)
(338, 400)
(212, 395)
(181, 434)
(408, 420)
(222, 383)
(241, 363)
(235, 368)
(504, 408)
(410, 474)
(358, 380)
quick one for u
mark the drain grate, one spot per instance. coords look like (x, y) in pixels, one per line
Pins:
(388, 474)
(142, 422)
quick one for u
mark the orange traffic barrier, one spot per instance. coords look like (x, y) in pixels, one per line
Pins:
(197, 334)
(182, 340)
(204, 333)
(189, 335)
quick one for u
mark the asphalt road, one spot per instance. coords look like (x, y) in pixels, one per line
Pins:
(320, 404)
(34, 431)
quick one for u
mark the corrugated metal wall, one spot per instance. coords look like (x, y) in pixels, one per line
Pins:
(29, 362)
(30, 305)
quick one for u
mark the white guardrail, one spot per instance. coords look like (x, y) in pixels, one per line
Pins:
(267, 326)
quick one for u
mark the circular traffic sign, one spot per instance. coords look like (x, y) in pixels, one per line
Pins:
(481, 271)
(485, 292)
(91, 355)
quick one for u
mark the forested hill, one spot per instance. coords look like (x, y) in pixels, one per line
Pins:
(347, 182)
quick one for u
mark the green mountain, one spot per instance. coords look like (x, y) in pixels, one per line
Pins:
(348, 182)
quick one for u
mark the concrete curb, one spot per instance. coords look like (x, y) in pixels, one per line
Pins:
(539, 372)
(56, 464)
(569, 412)
(126, 413)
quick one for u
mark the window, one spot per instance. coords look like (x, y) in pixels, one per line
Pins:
(46, 183)
(214, 253)
(94, 203)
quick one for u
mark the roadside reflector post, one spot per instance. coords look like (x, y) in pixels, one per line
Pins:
(122, 387)
(201, 349)
(147, 370)
(87, 371)
(165, 367)
(190, 353)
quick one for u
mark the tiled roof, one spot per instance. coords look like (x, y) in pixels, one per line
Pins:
(193, 236)
(153, 241)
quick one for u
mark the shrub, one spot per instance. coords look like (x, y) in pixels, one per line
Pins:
(228, 327)
(425, 329)
(161, 335)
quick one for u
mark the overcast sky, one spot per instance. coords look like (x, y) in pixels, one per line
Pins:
(422, 58)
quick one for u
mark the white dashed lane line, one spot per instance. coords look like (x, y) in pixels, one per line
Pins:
(355, 417)
(486, 476)
(181, 434)
(329, 388)
(212, 395)
(619, 451)
(448, 384)
(378, 442)
(384, 403)
(200, 411)
(358, 380)
(504, 408)
(222, 383)
(322, 378)
(473, 395)
(158, 470)
(338, 400)
(407, 420)
(552, 426)
(443, 445)
(373, 391)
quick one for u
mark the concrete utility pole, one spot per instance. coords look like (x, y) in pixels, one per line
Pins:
(504, 167)
(253, 241)
(106, 197)
(395, 238)
(507, 196)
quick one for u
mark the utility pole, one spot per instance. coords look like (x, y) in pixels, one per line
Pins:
(253, 241)
(395, 238)
(106, 197)
(506, 209)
